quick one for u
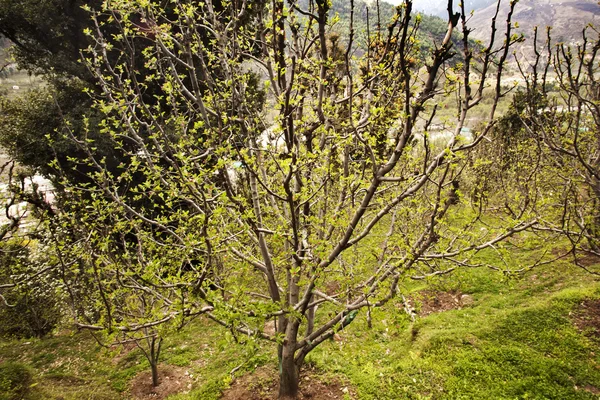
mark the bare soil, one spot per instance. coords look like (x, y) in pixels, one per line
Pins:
(587, 259)
(123, 351)
(434, 301)
(591, 389)
(263, 384)
(172, 380)
(587, 318)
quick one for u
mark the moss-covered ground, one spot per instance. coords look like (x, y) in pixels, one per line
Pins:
(517, 338)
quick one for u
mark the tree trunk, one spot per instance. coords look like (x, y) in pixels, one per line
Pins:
(154, 367)
(155, 344)
(594, 230)
(288, 376)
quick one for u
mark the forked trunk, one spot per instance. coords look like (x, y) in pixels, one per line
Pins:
(154, 344)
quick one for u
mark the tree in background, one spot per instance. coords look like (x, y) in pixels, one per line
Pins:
(30, 295)
(48, 40)
(302, 212)
(556, 119)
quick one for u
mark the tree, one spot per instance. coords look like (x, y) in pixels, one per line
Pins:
(301, 212)
(559, 112)
(47, 40)
(29, 294)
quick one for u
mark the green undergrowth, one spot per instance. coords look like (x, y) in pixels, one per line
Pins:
(73, 366)
(516, 339)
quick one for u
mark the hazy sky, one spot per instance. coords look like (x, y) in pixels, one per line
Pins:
(419, 4)
(437, 7)
(396, 2)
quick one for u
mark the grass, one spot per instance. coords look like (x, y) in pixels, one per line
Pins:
(517, 341)
(74, 366)
(20, 79)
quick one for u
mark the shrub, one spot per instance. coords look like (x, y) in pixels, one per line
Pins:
(15, 381)
(35, 304)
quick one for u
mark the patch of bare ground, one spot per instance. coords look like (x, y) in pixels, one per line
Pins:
(587, 318)
(436, 301)
(171, 380)
(587, 259)
(583, 257)
(66, 380)
(591, 389)
(123, 351)
(263, 384)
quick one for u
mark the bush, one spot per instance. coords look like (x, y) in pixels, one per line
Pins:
(15, 381)
(35, 307)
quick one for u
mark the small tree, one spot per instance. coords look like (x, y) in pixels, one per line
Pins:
(323, 200)
(125, 282)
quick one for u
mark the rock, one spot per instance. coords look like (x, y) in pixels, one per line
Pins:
(466, 300)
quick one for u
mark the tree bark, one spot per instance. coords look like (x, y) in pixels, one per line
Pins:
(154, 354)
(594, 230)
(288, 376)
(154, 367)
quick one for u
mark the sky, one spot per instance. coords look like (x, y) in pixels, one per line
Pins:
(431, 6)
(396, 2)
(438, 7)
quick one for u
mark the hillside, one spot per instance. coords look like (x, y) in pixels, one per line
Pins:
(567, 19)
(432, 29)
(251, 205)
(480, 336)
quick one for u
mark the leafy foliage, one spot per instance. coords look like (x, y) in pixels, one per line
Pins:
(242, 195)
(15, 381)
(35, 308)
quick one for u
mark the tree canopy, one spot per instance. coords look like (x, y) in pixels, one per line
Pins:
(266, 210)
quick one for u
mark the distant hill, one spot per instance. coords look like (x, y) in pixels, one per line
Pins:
(432, 28)
(567, 19)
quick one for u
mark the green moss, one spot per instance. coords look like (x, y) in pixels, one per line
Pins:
(516, 341)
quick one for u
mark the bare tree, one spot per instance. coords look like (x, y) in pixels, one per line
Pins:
(561, 113)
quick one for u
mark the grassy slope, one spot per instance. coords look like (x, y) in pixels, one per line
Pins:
(516, 341)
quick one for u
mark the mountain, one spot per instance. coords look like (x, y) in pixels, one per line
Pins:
(567, 19)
